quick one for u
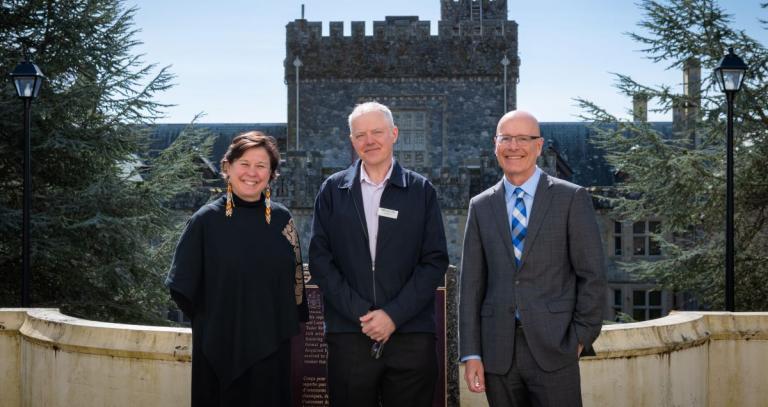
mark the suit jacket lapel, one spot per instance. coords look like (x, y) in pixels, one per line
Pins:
(499, 207)
(541, 202)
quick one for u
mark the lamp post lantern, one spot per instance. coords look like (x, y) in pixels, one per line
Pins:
(27, 78)
(730, 77)
(505, 62)
(297, 64)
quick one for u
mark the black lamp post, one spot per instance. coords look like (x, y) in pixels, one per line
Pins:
(730, 76)
(27, 78)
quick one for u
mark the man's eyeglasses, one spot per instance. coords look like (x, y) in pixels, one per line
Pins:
(377, 349)
(520, 140)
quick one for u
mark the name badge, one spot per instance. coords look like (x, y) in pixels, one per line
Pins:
(388, 213)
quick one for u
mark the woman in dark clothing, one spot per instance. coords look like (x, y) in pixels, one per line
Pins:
(237, 274)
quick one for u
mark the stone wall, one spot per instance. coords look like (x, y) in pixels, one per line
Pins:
(688, 359)
(461, 116)
(401, 46)
(685, 359)
(49, 360)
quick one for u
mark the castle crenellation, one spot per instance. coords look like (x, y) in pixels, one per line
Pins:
(484, 18)
(470, 10)
(403, 47)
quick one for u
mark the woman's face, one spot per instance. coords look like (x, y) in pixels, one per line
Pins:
(249, 174)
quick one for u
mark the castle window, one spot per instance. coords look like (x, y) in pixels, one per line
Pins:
(643, 243)
(617, 238)
(411, 143)
(646, 304)
(618, 301)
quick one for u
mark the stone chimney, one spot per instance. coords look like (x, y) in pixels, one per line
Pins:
(685, 114)
(692, 88)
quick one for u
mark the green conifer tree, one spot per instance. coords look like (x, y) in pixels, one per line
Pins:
(99, 216)
(682, 179)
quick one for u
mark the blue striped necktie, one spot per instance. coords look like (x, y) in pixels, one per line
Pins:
(518, 224)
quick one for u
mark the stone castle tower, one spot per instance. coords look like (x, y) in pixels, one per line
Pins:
(446, 92)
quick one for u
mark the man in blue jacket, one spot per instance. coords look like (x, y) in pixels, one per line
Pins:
(378, 252)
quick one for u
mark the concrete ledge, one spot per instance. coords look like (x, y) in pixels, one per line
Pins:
(737, 358)
(53, 360)
(664, 335)
(736, 326)
(49, 328)
(685, 359)
(11, 319)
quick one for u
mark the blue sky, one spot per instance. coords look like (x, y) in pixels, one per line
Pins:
(228, 55)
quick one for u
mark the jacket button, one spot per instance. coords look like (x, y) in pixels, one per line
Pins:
(517, 282)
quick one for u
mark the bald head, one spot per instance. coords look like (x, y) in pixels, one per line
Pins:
(520, 120)
(518, 144)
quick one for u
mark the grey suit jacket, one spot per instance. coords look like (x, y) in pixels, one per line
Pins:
(559, 288)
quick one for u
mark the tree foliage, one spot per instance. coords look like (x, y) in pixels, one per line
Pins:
(97, 228)
(682, 179)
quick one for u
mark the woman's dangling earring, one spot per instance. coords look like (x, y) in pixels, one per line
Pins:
(230, 202)
(268, 204)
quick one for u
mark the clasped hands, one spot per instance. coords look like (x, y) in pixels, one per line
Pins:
(377, 325)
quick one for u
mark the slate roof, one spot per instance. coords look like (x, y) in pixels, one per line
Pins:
(569, 139)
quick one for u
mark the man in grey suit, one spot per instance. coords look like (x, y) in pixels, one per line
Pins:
(532, 279)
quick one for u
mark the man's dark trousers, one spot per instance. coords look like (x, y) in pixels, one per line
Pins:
(406, 370)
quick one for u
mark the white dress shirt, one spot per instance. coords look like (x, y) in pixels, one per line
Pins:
(371, 200)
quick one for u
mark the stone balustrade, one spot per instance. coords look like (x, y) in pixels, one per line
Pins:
(684, 359)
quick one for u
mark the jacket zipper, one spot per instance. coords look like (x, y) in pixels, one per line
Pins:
(373, 272)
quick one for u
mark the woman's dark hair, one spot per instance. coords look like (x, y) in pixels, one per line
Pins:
(247, 141)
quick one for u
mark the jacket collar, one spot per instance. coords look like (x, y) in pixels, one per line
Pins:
(352, 175)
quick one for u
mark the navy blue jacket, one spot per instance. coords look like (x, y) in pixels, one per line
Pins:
(411, 253)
